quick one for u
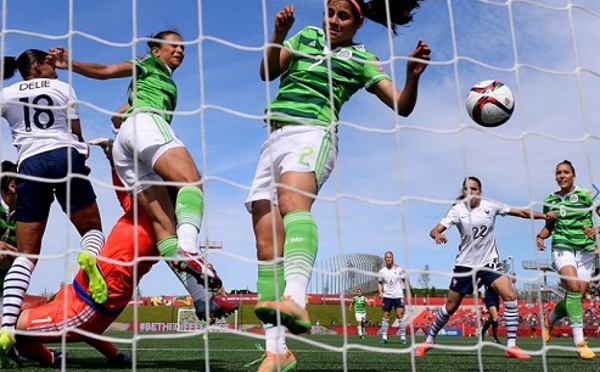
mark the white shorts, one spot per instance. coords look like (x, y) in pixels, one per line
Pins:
(360, 317)
(293, 148)
(141, 140)
(582, 261)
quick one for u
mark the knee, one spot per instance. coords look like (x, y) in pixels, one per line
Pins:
(290, 201)
(266, 250)
(87, 219)
(575, 286)
(451, 307)
(509, 297)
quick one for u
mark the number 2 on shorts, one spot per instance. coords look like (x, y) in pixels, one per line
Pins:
(306, 151)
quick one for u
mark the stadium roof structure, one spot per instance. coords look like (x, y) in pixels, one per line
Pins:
(542, 265)
(548, 291)
(346, 273)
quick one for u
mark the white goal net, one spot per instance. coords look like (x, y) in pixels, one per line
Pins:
(395, 177)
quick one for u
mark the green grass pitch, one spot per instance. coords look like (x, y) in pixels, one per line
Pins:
(229, 352)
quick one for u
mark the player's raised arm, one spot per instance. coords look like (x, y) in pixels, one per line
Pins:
(277, 57)
(526, 213)
(99, 71)
(404, 101)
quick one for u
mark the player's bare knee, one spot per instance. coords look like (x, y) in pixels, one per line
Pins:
(265, 251)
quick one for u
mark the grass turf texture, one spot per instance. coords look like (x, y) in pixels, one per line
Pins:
(229, 352)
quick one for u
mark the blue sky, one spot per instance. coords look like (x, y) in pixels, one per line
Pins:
(395, 177)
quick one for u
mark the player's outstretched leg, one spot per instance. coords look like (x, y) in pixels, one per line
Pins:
(97, 283)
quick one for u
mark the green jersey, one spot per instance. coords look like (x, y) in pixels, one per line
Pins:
(360, 304)
(153, 87)
(8, 233)
(8, 230)
(304, 95)
(574, 212)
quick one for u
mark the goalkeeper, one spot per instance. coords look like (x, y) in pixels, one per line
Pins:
(132, 237)
(8, 243)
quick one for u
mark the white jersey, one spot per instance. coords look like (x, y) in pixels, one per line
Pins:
(392, 281)
(37, 111)
(477, 246)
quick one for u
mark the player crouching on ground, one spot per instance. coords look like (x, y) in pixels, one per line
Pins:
(131, 238)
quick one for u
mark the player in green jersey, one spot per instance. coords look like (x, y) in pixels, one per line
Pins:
(8, 204)
(146, 149)
(359, 304)
(301, 150)
(570, 223)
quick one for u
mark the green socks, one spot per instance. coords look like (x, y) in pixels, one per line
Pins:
(168, 246)
(301, 244)
(574, 308)
(268, 273)
(189, 206)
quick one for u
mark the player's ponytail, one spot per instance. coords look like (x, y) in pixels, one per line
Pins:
(401, 11)
(10, 66)
(23, 63)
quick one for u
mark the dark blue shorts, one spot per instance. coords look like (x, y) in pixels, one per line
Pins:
(466, 285)
(389, 303)
(35, 197)
(491, 298)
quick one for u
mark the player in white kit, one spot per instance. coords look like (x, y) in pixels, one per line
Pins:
(477, 260)
(44, 120)
(391, 283)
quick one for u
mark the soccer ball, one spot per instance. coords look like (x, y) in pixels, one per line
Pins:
(490, 103)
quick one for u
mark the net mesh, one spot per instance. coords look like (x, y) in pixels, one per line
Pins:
(395, 177)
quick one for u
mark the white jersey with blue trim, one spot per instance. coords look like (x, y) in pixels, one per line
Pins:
(477, 246)
(392, 281)
(38, 112)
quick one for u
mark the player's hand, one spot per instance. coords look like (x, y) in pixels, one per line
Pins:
(60, 57)
(441, 239)
(590, 232)
(4, 247)
(422, 52)
(540, 243)
(284, 20)
(551, 216)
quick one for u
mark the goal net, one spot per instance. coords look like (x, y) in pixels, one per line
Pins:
(395, 177)
(187, 321)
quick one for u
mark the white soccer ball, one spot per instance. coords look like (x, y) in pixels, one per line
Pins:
(490, 103)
